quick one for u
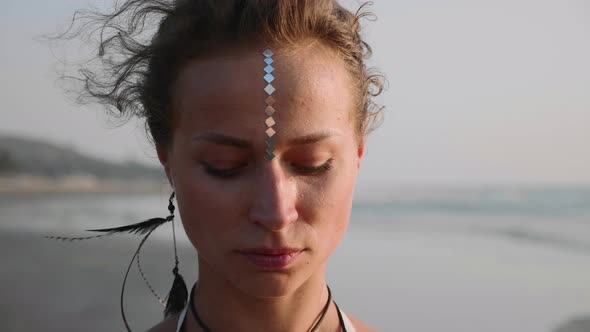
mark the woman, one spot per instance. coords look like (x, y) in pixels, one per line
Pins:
(259, 112)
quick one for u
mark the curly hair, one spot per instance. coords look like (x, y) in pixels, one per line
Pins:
(143, 44)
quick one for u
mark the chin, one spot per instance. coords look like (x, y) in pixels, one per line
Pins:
(270, 283)
(267, 287)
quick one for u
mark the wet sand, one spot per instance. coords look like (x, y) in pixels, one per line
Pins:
(399, 278)
(49, 285)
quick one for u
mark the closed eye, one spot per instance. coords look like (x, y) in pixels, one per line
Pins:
(315, 169)
(227, 173)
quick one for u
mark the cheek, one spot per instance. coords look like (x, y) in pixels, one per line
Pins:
(333, 203)
(338, 205)
(201, 205)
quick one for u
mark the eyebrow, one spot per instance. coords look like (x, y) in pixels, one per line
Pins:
(223, 139)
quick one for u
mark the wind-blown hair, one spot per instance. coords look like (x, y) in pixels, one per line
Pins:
(143, 44)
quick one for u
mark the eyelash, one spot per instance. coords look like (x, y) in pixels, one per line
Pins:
(233, 172)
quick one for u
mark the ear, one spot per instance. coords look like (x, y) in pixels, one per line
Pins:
(360, 152)
(164, 157)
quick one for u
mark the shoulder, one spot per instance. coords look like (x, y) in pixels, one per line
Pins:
(359, 325)
(167, 325)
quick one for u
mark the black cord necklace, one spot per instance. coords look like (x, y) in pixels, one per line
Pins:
(317, 324)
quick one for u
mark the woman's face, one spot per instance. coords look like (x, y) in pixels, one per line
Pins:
(262, 203)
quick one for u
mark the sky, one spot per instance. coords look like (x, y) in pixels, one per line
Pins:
(479, 91)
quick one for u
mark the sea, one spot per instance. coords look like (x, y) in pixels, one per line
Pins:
(419, 259)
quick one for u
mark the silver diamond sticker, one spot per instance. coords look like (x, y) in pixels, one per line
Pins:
(269, 141)
(270, 110)
(269, 78)
(269, 69)
(267, 53)
(269, 61)
(270, 122)
(269, 89)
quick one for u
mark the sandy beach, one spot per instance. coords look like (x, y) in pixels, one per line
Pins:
(75, 286)
(405, 274)
(48, 285)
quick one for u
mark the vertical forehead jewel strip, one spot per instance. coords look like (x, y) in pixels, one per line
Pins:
(269, 89)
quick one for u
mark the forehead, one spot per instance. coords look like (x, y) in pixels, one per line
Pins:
(225, 94)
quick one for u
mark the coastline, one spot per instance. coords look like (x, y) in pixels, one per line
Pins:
(24, 184)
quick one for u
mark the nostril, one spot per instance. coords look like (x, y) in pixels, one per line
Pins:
(273, 214)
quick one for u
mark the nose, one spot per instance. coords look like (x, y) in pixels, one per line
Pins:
(274, 197)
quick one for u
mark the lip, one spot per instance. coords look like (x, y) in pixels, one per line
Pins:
(268, 258)
(271, 251)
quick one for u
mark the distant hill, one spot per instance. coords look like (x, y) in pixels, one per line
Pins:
(33, 157)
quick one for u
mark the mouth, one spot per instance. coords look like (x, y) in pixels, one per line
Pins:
(271, 251)
(271, 258)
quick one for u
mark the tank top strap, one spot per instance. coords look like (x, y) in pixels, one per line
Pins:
(348, 327)
(344, 320)
(180, 323)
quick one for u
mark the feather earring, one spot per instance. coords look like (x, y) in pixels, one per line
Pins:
(177, 297)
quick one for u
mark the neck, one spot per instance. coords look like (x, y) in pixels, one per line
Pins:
(223, 307)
